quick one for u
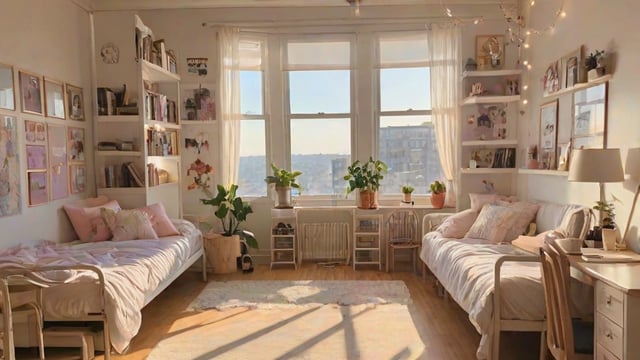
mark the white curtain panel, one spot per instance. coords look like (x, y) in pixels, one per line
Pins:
(229, 90)
(444, 44)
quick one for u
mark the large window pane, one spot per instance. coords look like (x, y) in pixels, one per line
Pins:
(405, 88)
(408, 147)
(252, 170)
(251, 92)
(326, 91)
(320, 148)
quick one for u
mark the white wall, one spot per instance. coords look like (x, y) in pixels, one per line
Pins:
(596, 24)
(50, 38)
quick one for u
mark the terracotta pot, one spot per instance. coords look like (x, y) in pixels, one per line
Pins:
(437, 200)
(222, 252)
(368, 199)
(406, 197)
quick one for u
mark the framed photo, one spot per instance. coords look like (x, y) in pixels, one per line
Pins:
(77, 178)
(75, 102)
(490, 52)
(34, 132)
(551, 79)
(10, 175)
(483, 157)
(58, 170)
(31, 92)
(590, 117)
(75, 144)
(54, 98)
(38, 190)
(564, 155)
(548, 134)
(572, 68)
(7, 97)
(36, 157)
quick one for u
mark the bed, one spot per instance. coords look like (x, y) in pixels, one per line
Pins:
(108, 281)
(468, 269)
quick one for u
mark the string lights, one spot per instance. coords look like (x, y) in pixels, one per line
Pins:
(459, 20)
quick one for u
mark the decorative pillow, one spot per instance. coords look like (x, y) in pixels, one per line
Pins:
(525, 214)
(87, 221)
(479, 200)
(128, 224)
(492, 223)
(161, 223)
(455, 226)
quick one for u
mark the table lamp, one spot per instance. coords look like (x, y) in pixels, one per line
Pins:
(632, 168)
(596, 165)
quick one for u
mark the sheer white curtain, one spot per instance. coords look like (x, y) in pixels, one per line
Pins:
(444, 44)
(229, 109)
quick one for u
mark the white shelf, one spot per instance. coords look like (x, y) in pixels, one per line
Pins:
(168, 157)
(198, 122)
(110, 119)
(579, 86)
(122, 190)
(118, 153)
(488, 171)
(543, 172)
(163, 186)
(492, 73)
(163, 124)
(155, 73)
(493, 99)
(490, 143)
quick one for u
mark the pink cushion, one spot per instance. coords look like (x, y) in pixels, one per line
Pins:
(525, 213)
(87, 222)
(159, 219)
(478, 200)
(128, 224)
(455, 226)
(492, 223)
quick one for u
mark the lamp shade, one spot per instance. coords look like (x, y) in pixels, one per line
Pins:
(596, 165)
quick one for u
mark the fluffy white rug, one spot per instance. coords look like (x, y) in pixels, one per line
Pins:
(270, 294)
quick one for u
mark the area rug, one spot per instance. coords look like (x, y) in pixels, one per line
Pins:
(282, 293)
(295, 320)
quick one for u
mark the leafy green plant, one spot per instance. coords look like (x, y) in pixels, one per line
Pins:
(407, 189)
(283, 178)
(437, 187)
(608, 209)
(232, 211)
(365, 176)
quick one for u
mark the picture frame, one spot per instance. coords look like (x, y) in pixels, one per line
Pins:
(490, 52)
(10, 181)
(7, 88)
(572, 68)
(75, 144)
(30, 92)
(75, 102)
(589, 128)
(551, 80)
(54, 99)
(483, 157)
(58, 171)
(38, 189)
(34, 132)
(564, 155)
(77, 177)
(36, 157)
(548, 134)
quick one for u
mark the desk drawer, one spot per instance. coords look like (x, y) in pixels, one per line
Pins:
(610, 302)
(608, 335)
(604, 354)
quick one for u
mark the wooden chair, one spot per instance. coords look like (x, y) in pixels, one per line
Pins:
(402, 234)
(567, 338)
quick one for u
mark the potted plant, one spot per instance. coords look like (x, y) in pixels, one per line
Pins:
(284, 181)
(365, 177)
(438, 194)
(406, 193)
(223, 249)
(594, 64)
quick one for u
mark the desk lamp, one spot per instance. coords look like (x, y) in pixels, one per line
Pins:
(632, 168)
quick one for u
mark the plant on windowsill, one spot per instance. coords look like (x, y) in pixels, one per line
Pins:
(438, 194)
(406, 193)
(284, 181)
(365, 177)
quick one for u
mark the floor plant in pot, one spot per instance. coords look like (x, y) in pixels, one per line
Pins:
(284, 181)
(365, 177)
(224, 249)
(438, 194)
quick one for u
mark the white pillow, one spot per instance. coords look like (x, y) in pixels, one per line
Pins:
(525, 214)
(128, 224)
(492, 223)
(455, 226)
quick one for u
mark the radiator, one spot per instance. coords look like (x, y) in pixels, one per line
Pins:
(325, 241)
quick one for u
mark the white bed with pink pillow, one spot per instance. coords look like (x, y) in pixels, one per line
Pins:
(136, 254)
(469, 251)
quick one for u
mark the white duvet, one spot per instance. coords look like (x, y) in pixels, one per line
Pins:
(132, 270)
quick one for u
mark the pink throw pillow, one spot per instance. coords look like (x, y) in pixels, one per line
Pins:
(159, 219)
(128, 224)
(479, 200)
(87, 221)
(525, 213)
(492, 223)
(455, 226)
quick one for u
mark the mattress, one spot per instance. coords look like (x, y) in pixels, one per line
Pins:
(133, 270)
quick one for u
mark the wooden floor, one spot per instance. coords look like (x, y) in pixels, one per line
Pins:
(445, 328)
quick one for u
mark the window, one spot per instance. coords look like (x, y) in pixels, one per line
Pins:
(406, 138)
(319, 79)
(253, 164)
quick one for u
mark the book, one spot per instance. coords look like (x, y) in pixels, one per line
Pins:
(603, 256)
(135, 174)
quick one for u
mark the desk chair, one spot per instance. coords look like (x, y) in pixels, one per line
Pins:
(402, 234)
(567, 338)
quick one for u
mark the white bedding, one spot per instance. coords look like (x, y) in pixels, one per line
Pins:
(132, 270)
